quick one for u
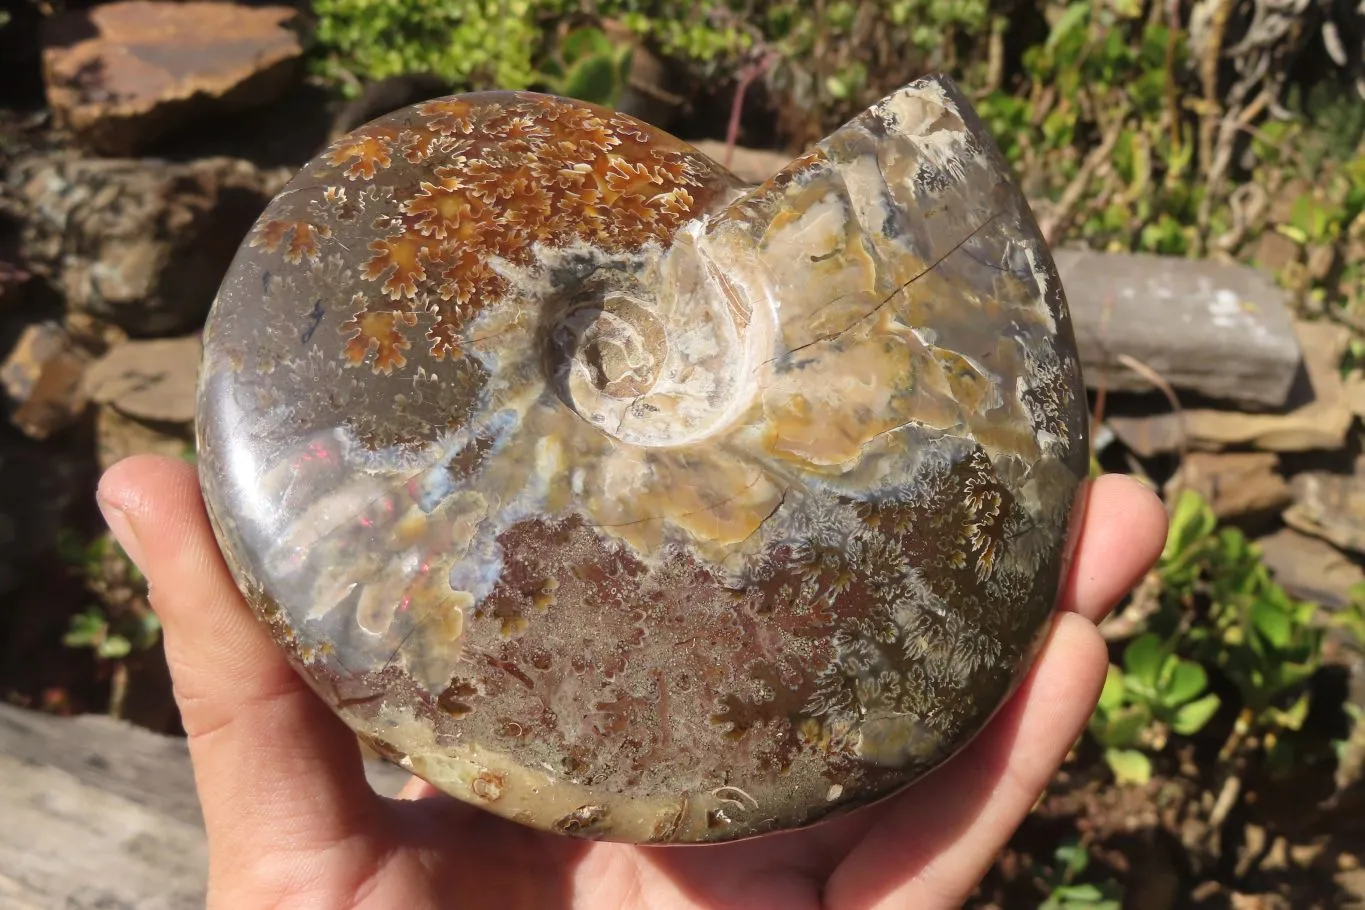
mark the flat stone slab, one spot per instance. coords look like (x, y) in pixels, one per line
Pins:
(122, 76)
(1235, 484)
(1330, 506)
(1223, 331)
(1319, 416)
(1310, 568)
(149, 380)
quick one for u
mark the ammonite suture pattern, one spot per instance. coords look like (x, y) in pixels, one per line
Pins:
(631, 502)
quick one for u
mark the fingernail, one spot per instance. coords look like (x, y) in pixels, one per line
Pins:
(123, 531)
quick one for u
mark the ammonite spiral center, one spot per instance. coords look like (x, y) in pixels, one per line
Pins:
(627, 501)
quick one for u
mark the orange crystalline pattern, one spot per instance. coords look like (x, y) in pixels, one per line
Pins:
(303, 239)
(466, 184)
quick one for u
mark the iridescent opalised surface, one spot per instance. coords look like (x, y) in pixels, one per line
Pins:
(633, 503)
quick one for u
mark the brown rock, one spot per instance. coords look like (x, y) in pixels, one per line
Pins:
(122, 76)
(1274, 252)
(1222, 330)
(1319, 417)
(149, 380)
(142, 244)
(1330, 506)
(1235, 484)
(42, 381)
(1310, 568)
(118, 436)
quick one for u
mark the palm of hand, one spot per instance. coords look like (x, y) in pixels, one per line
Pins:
(293, 823)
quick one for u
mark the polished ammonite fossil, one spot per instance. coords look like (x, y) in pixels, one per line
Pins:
(629, 501)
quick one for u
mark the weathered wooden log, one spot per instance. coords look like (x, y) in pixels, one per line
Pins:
(99, 813)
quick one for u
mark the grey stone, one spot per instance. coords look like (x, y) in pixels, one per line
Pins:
(1309, 568)
(1223, 331)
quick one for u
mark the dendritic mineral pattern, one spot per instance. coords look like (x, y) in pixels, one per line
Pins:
(631, 502)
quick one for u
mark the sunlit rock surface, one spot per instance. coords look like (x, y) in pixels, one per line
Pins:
(631, 502)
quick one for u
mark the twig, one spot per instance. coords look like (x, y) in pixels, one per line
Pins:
(746, 77)
(1056, 221)
(1208, 71)
(1156, 379)
(1222, 806)
(1227, 135)
(1172, 92)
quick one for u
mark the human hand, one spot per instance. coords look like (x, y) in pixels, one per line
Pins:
(293, 823)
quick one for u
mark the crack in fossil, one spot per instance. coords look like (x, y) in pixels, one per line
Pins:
(889, 297)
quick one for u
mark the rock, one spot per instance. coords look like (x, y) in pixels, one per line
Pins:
(42, 381)
(1275, 252)
(122, 76)
(1318, 418)
(118, 436)
(749, 165)
(149, 380)
(1330, 506)
(1224, 331)
(141, 243)
(146, 393)
(1235, 484)
(1310, 568)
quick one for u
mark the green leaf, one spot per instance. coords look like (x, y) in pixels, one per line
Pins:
(1124, 728)
(115, 647)
(1142, 659)
(1293, 233)
(1073, 857)
(1192, 521)
(85, 629)
(1111, 696)
(1084, 893)
(582, 43)
(1273, 624)
(1075, 17)
(1187, 680)
(1294, 716)
(1191, 718)
(1129, 766)
(593, 80)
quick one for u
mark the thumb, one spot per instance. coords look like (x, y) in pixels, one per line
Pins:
(275, 769)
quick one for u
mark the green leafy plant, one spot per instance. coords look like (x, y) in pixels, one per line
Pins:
(1155, 693)
(588, 66)
(1264, 642)
(468, 43)
(1065, 893)
(112, 640)
(118, 626)
(1102, 131)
